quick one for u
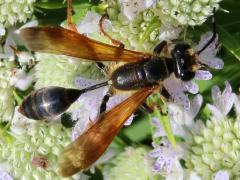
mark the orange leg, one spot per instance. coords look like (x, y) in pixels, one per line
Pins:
(70, 25)
(114, 41)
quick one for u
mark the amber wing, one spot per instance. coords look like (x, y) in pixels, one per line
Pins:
(88, 147)
(58, 40)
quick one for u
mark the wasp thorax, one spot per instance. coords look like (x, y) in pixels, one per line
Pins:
(48, 102)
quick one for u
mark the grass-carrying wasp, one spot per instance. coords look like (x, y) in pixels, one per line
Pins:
(142, 73)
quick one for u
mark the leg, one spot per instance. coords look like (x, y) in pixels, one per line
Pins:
(150, 108)
(214, 31)
(158, 49)
(158, 107)
(70, 24)
(154, 103)
(103, 105)
(114, 41)
(102, 67)
(145, 108)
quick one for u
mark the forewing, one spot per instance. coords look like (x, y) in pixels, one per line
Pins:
(88, 147)
(58, 40)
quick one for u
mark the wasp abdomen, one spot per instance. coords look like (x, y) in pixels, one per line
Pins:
(48, 102)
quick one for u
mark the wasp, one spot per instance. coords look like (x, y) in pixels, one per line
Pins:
(142, 73)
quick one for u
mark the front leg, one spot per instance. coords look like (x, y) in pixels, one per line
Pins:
(158, 49)
(114, 41)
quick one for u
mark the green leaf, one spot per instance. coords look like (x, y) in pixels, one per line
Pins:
(17, 97)
(229, 41)
(139, 129)
(53, 4)
(118, 143)
(80, 11)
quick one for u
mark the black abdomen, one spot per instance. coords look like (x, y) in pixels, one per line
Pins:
(133, 76)
(48, 102)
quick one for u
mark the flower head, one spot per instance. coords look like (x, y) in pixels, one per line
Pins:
(188, 12)
(167, 158)
(222, 102)
(21, 80)
(5, 176)
(214, 148)
(132, 8)
(34, 151)
(55, 70)
(12, 12)
(136, 25)
(7, 101)
(131, 163)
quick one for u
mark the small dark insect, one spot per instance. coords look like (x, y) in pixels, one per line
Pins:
(40, 161)
(142, 72)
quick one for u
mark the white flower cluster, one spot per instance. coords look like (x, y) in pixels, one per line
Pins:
(211, 150)
(7, 101)
(190, 12)
(12, 11)
(33, 152)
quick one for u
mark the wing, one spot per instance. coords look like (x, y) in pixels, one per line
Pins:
(89, 146)
(58, 40)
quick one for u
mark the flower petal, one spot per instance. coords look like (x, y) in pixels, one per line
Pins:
(155, 152)
(175, 113)
(169, 32)
(9, 42)
(165, 155)
(176, 89)
(158, 166)
(227, 99)
(80, 127)
(210, 60)
(216, 63)
(190, 114)
(90, 23)
(224, 101)
(156, 122)
(191, 87)
(21, 79)
(221, 175)
(130, 8)
(2, 30)
(203, 75)
(216, 93)
(215, 111)
(32, 23)
(212, 48)
(237, 104)
(81, 82)
(5, 176)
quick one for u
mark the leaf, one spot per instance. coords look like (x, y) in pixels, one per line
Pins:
(17, 97)
(229, 41)
(53, 4)
(139, 130)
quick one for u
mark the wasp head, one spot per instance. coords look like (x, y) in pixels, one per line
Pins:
(185, 64)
